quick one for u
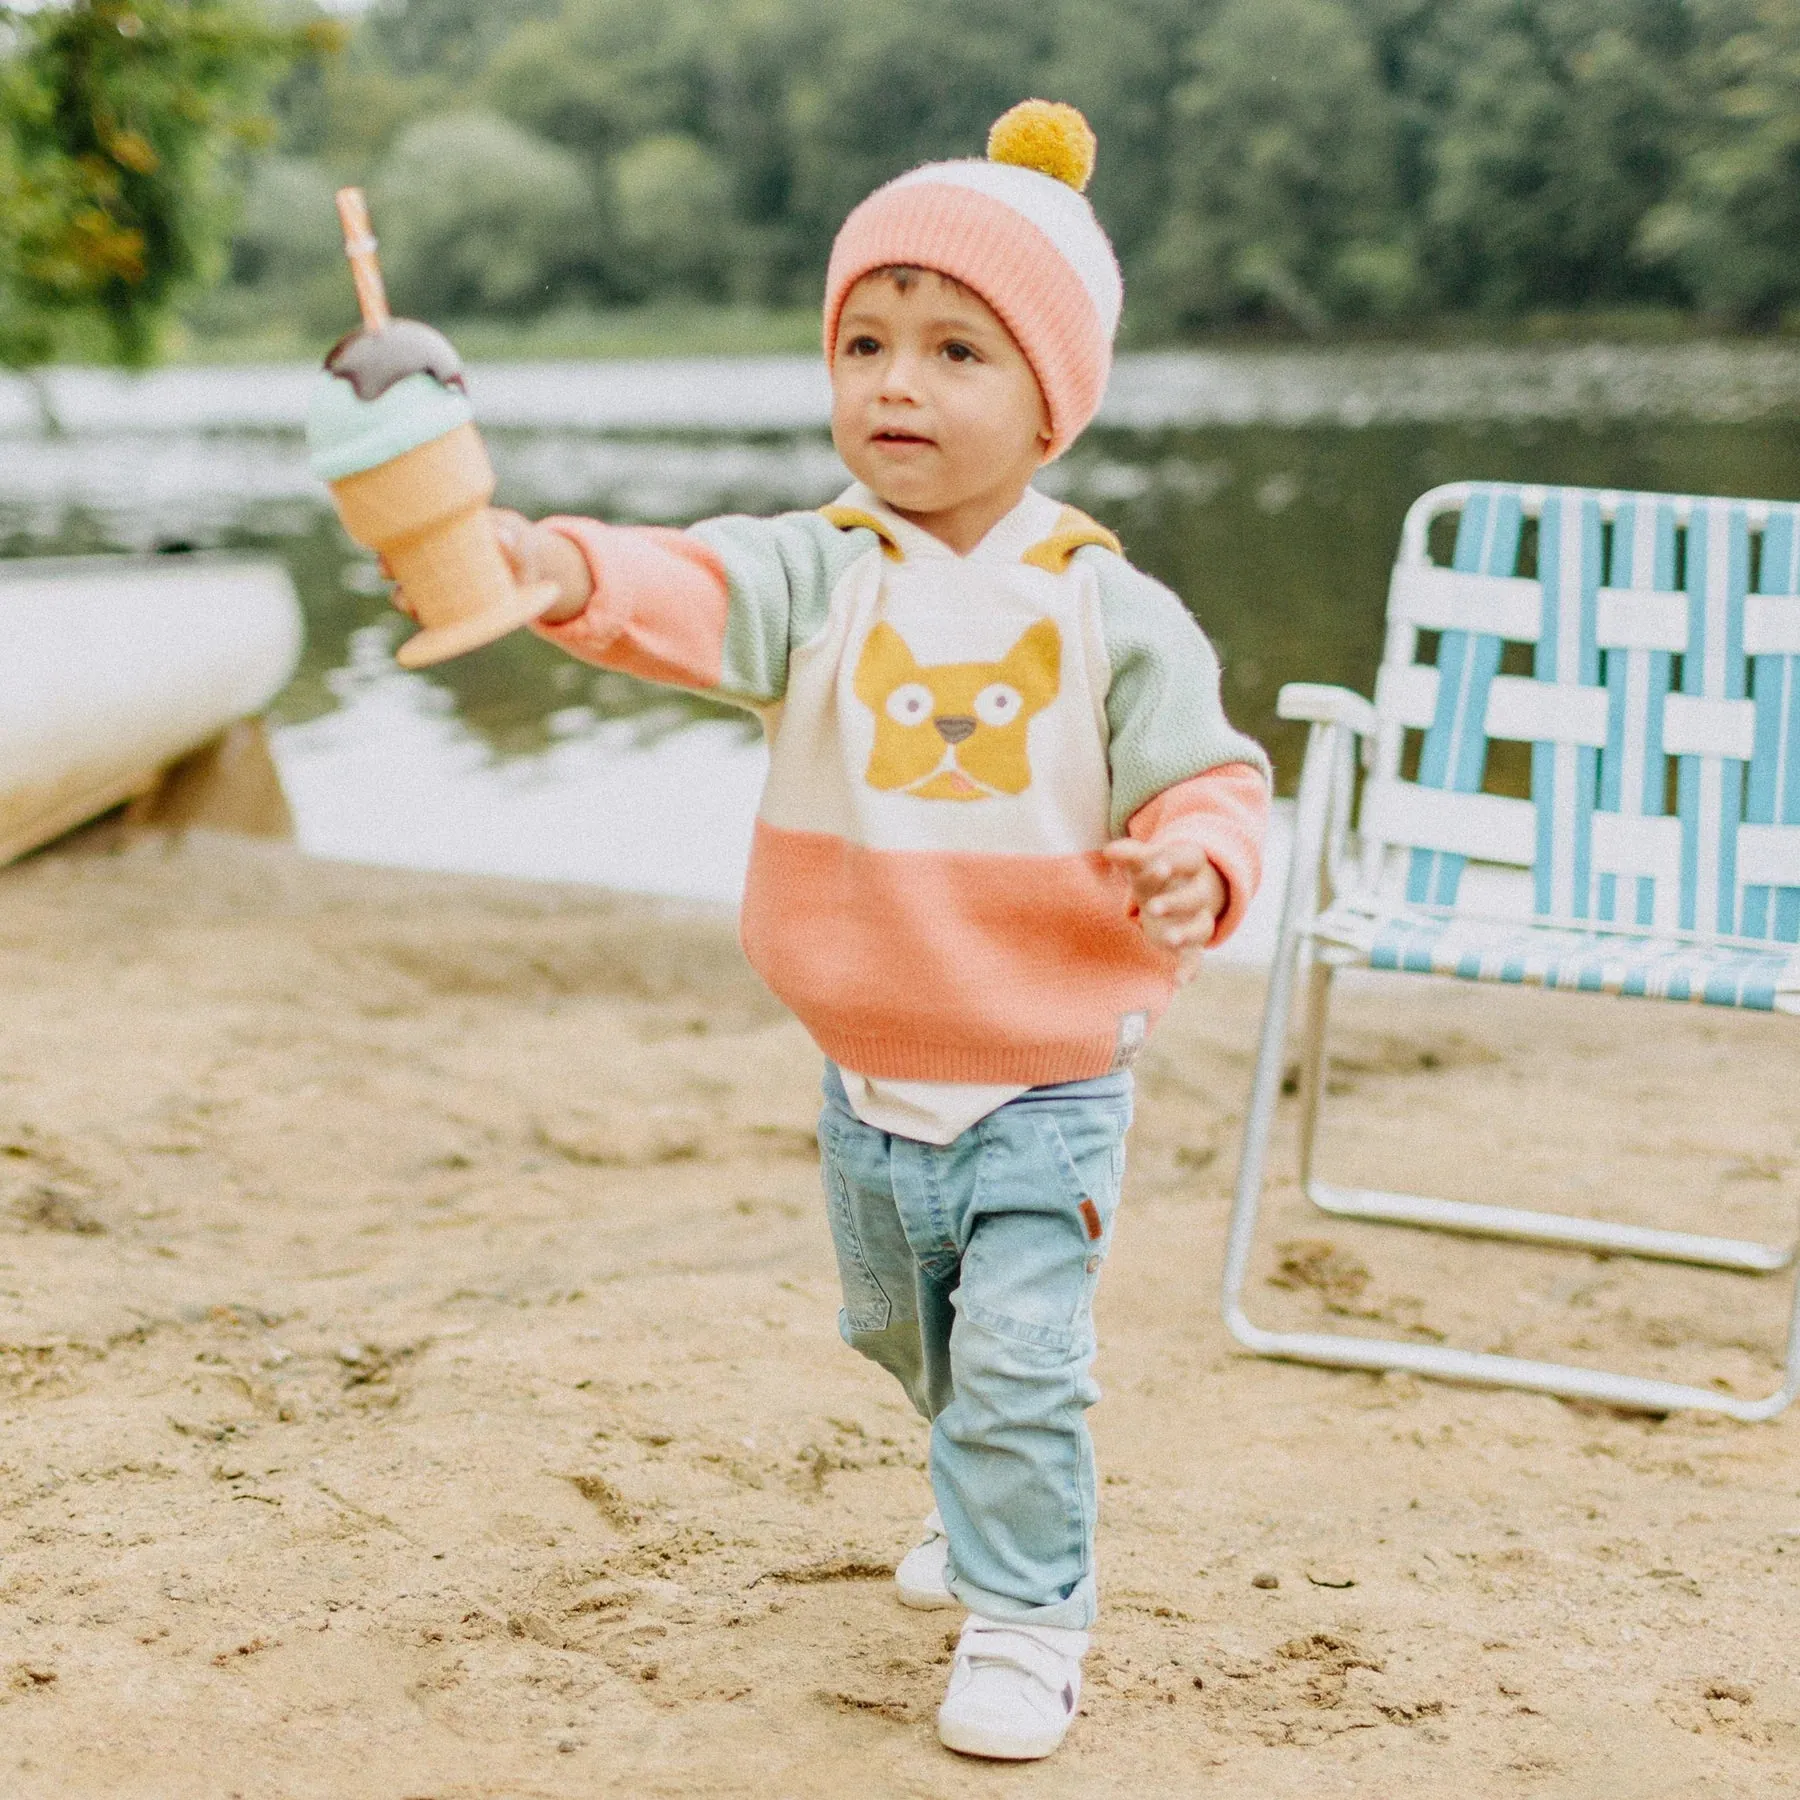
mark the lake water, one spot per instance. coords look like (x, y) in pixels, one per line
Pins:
(1266, 488)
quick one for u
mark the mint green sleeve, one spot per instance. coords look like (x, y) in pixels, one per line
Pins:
(779, 574)
(1164, 717)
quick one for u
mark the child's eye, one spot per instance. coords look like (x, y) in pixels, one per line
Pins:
(862, 346)
(910, 703)
(961, 352)
(998, 704)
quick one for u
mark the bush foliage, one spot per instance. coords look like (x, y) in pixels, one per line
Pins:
(116, 120)
(1287, 164)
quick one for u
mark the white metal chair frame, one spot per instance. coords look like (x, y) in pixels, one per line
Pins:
(1699, 932)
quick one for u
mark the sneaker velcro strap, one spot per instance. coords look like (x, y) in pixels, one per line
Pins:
(1021, 1647)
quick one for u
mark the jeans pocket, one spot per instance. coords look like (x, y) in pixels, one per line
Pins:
(866, 1304)
(1086, 1147)
(1048, 1188)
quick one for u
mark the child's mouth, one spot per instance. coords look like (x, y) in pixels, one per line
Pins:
(900, 437)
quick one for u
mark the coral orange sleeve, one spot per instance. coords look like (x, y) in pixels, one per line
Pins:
(1225, 811)
(659, 607)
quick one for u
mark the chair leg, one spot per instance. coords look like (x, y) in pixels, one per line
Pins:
(1566, 1380)
(1376, 1355)
(1312, 1058)
(1518, 1224)
(1744, 1256)
(1259, 1121)
(1298, 902)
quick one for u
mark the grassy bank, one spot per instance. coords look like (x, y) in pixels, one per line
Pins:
(684, 329)
(221, 329)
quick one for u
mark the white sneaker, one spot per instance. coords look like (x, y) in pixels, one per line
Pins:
(923, 1575)
(1013, 1690)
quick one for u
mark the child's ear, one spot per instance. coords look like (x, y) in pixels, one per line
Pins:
(885, 663)
(1034, 665)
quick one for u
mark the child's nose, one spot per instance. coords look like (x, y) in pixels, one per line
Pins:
(954, 727)
(900, 379)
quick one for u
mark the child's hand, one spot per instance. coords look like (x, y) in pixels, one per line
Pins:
(1179, 895)
(533, 553)
(536, 553)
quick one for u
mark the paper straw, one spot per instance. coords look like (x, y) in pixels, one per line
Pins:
(359, 246)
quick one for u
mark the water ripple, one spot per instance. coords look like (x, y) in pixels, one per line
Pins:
(1163, 389)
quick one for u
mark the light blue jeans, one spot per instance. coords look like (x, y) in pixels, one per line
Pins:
(969, 1272)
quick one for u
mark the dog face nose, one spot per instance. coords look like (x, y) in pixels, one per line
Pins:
(954, 727)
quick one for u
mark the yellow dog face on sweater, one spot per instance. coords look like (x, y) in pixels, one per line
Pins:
(956, 731)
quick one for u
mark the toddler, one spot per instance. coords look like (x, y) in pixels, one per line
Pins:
(1004, 814)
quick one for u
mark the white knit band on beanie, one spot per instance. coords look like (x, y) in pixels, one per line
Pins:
(1018, 230)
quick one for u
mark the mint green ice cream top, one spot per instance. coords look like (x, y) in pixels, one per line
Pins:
(345, 435)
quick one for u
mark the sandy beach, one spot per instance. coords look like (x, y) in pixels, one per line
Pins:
(419, 1380)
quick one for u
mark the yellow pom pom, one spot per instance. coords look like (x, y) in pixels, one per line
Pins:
(1047, 136)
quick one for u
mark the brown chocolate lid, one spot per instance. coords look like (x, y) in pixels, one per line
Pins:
(372, 361)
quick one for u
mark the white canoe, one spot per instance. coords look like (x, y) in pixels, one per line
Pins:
(114, 667)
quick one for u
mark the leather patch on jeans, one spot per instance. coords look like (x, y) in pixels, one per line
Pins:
(1090, 1217)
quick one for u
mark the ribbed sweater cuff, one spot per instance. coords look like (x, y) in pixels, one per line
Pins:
(1226, 812)
(1030, 1065)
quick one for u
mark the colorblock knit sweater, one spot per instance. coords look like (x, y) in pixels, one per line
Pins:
(953, 739)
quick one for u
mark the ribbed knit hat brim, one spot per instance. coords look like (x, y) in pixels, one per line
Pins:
(1027, 243)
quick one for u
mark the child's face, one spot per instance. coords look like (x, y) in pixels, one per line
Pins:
(934, 406)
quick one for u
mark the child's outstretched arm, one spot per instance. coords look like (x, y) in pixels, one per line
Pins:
(539, 554)
(642, 599)
(717, 608)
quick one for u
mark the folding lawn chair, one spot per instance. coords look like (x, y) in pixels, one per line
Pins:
(1663, 629)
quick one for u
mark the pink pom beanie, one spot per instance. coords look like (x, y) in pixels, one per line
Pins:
(1017, 229)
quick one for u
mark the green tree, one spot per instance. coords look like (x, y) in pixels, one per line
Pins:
(289, 250)
(672, 200)
(455, 37)
(476, 215)
(893, 83)
(1284, 199)
(119, 116)
(601, 74)
(1730, 228)
(1121, 65)
(1556, 133)
(1294, 162)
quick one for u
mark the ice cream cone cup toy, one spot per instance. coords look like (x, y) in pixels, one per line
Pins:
(390, 431)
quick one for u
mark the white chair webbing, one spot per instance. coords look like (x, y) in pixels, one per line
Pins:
(1771, 908)
(1454, 754)
(1650, 645)
(1759, 978)
(1658, 853)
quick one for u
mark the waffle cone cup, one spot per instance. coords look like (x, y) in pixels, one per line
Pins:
(426, 513)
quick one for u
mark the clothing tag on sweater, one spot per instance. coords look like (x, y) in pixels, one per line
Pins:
(1134, 1027)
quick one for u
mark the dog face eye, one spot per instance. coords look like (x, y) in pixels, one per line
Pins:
(910, 703)
(998, 704)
